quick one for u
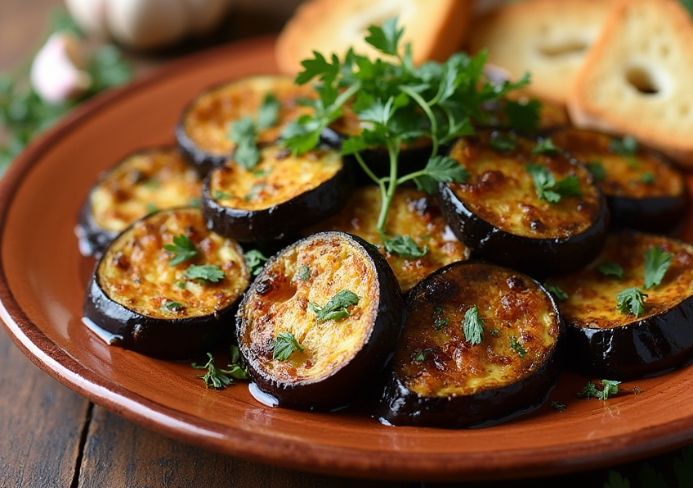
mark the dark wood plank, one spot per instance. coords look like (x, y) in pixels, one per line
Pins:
(120, 453)
(41, 423)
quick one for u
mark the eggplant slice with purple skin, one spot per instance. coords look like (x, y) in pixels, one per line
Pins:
(277, 198)
(643, 189)
(167, 287)
(320, 322)
(622, 345)
(412, 213)
(524, 205)
(203, 132)
(141, 183)
(481, 344)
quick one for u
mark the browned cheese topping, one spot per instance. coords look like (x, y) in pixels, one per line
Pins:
(521, 328)
(642, 175)
(208, 119)
(277, 178)
(279, 304)
(412, 213)
(501, 191)
(592, 295)
(142, 183)
(136, 273)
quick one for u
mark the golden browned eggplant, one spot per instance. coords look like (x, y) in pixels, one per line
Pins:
(524, 205)
(412, 213)
(320, 321)
(141, 183)
(481, 344)
(622, 324)
(167, 286)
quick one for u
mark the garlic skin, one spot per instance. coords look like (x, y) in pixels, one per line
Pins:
(148, 24)
(57, 73)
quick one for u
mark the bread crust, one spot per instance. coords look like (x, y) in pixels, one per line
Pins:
(644, 47)
(436, 29)
(547, 38)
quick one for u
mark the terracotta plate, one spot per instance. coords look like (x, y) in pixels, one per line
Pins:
(42, 287)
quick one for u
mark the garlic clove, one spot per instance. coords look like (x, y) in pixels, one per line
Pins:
(56, 71)
(147, 24)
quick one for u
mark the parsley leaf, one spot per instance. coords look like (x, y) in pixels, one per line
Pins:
(439, 169)
(523, 116)
(385, 38)
(609, 388)
(556, 291)
(597, 169)
(285, 344)
(172, 306)
(558, 406)
(256, 261)
(502, 143)
(218, 378)
(626, 147)
(473, 326)
(439, 322)
(648, 178)
(404, 246)
(336, 307)
(303, 273)
(548, 188)
(222, 195)
(545, 146)
(206, 272)
(183, 248)
(517, 347)
(657, 263)
(268, 114)
(243, 133)
(611, 269)
(631, 300)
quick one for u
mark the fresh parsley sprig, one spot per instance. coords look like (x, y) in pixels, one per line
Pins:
(657, 262)
(631, 300)
(336, 307)
(255, 260)
(611, 269)
(205, 272)
(182, 248)
(550, 189)
(609, 388)
(218, 378)
(285, 344)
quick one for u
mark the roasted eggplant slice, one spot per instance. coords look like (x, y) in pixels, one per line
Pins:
(412, 213)
(203, 133)
(320, 321)
(278, 197)
(643, 190)
(632, 336)
(167, 286)
(524, 205)
(481, 344)
(143, 182)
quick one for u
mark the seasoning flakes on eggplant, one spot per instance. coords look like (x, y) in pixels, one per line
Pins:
(412, 213)
(167, 286)
(266, 102)
(525, 205)
(481, 344)
(320, 321)
(628, 313)
(276, 198)
(643, 190)
(143, 182)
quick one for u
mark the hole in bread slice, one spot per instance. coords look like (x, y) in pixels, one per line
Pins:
(643, 80)
(564, 47)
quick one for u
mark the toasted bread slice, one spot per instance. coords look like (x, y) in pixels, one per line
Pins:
(547, 38)
(637, 78)
(435, 29)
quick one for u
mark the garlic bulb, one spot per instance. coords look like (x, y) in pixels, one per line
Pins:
(148, 24)
(57, 71)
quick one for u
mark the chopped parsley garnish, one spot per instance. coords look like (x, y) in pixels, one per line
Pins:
(285, 344)
(556, 291)
(194, 202)
(151, 208)
(609, 388)
(206, 272)
(473, 326)
(548, 188)
(261, 172)
(597, 169)
(173, 306)
(630, 300)
(502, 143)
(523, 116)
(626, 147)
(420, 356)
(558, 406)
(438, 169)
(222, 195)
(611, 269)
(517, 347)
(648, 178)
(336, 308)
(181, 284)
(256, 261)
(243, 133)
(396, 103)
(439, 322)
(268, 114)
(303, 273)
(657, 263)
(254, 191)
(218, 378)
(183, 248)
(404, 246)
(545, 146)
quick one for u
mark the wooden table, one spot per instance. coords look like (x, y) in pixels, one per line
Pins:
(50, 436)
